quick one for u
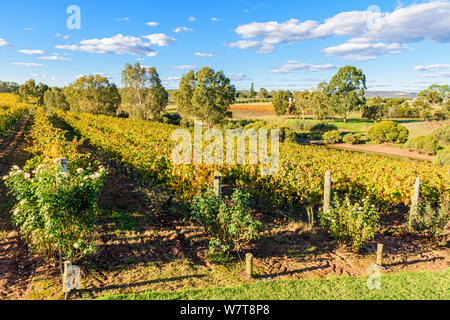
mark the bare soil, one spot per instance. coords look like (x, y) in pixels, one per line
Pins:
(385, 149)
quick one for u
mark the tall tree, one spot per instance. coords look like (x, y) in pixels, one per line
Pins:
(375, 109)
(320, 105)
(9, 87)
(302, 102)
(424, 108)
(143, 95)
(263, 93)
(252, 91)
(205, 95)
(94, 95)
(54, 99)
(435, 93)
(347, 89)
(29, 92)
(281, 102)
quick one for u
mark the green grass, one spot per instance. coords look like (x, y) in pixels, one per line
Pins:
(396, 286)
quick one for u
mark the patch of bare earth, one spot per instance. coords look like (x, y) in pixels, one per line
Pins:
(384, 149)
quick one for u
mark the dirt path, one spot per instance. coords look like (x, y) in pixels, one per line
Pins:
(16, 267)
(383, 149)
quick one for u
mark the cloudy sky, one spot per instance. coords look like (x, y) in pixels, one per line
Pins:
(277, 44)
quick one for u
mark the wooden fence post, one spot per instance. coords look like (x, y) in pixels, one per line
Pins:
(380, 255)
(327, 192)
(415, 198)
(249, 265)
(218, 184)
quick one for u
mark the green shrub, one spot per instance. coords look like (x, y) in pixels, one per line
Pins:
(255, 125)
(287, 134)
(442, 158)
(423, 144)
(388, 131)
(431, 222)
(303, 125)
(56, 212)
(352, 138)
(228, 222)
(323, 127)
(441, 114)
(348, 223)
(332, 137)
(443, 134)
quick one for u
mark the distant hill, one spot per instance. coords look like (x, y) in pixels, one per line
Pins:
(391, 94)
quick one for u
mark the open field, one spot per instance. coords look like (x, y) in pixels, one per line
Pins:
(354, 124)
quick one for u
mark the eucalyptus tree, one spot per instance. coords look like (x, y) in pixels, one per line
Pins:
(205, 95)
(347, 90)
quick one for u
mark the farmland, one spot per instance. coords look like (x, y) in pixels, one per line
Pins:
(177, 153)
(147, 248)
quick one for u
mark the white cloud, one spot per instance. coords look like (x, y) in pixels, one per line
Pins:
(54, 58)
(438, 75)
(123, 19)
(59, 35)
(292, 66)
(184, 67)
(203, 55)
(423, 21)
(214, 19)
(44, 76)
(182, 29)
(192, 19)
(152, 24)
(104, 74)
(160, 39)
(172, 79)
(261, 47)
(118, 44)
(237, 77)
(3, 43)
(363, 51)
(27, 64)
(28, 29)
(432, 68)
(32, 52)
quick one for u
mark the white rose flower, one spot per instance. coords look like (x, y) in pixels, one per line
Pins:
(95, 176)
(80, 170)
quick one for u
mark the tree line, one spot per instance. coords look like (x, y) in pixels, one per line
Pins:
(345, 93)
(206, 95)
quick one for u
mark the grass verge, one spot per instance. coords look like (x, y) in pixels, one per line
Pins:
(422, 285)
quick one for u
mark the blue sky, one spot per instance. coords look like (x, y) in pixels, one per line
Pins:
(283, 44)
